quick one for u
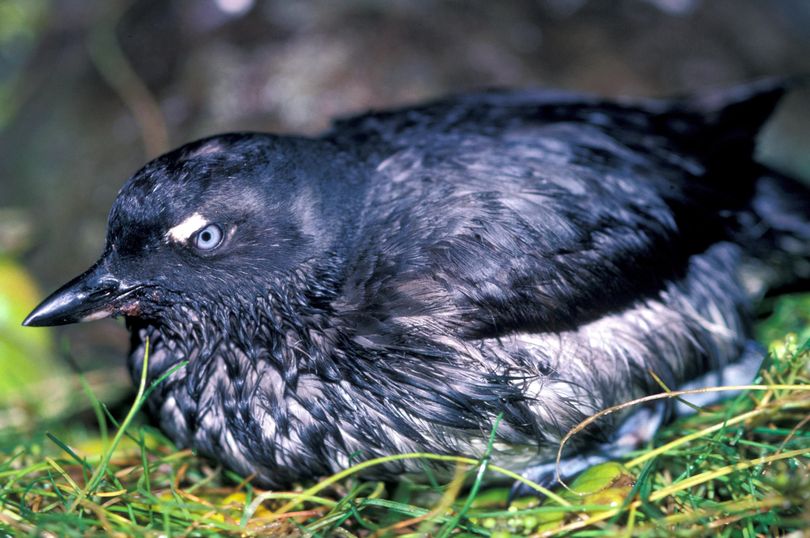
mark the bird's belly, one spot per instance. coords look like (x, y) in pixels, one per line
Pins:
(692, 326)
(283, 433)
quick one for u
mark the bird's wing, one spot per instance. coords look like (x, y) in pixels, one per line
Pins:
(537, 230)
(512, 212)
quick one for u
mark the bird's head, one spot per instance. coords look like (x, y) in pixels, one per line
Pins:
(211, 222)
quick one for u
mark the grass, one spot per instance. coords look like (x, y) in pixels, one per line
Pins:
(736, 469)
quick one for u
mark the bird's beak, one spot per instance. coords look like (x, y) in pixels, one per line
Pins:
(95, 294)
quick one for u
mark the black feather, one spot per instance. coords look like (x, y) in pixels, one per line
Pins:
(398, 283)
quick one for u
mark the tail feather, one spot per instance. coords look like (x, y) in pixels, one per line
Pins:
(775, 230)
(721, 126)
(741, 111)
(773, 222)
(768, 212)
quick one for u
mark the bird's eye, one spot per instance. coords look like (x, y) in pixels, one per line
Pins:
(209, 237)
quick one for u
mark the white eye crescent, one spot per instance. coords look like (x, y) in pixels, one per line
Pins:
(209, 237)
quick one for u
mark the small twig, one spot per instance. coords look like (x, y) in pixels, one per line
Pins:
(651, 398)
(337, 477)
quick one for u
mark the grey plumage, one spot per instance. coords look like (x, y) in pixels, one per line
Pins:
(399, 282)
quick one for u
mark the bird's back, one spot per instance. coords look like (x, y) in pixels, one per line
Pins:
(559, 175)
(548, 250)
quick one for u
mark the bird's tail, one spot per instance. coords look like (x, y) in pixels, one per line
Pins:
(733, 117)
(769, 211)
(775, 231)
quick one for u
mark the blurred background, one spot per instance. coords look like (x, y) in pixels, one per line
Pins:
(90, 90)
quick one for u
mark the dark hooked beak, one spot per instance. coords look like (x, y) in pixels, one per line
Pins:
(95, 294)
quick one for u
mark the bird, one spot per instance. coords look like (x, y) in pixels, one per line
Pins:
(499, 263)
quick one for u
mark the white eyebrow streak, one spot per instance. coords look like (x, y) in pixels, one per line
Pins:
(183, 231)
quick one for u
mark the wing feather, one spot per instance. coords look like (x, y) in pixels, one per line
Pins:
(501, 235)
